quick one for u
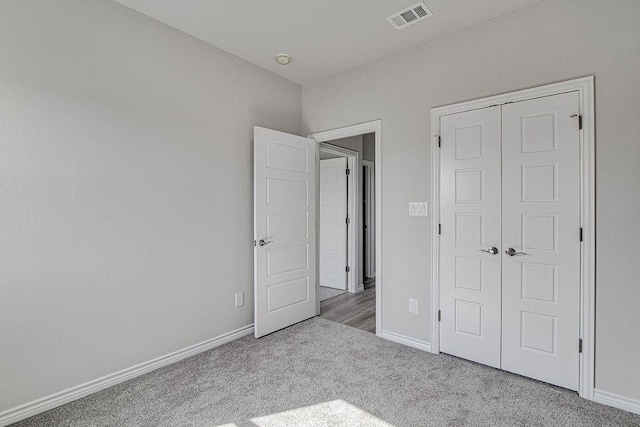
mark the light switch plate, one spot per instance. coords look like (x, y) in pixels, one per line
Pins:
(418, 209)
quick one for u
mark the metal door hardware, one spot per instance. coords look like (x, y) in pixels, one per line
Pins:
(492, 250)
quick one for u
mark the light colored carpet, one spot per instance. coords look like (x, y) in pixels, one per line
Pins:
(328, 293)
(322, 373)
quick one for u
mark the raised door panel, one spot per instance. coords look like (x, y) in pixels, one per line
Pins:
(541, 219)
(470, 217)
(284, 214)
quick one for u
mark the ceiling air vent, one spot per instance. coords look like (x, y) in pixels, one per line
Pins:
(409, 16)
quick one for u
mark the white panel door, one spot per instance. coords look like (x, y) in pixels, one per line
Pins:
(284, 230)
(333, 224)
(470, 219)
(541, 223)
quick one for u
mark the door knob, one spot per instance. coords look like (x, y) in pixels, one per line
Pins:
(513, 252)
(263, 242)
(492, 250)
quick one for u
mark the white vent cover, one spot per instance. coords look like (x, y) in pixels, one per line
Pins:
(409, 16)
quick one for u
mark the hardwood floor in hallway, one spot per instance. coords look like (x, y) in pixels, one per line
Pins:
(355, 310)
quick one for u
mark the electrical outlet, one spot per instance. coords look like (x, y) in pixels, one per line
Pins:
(413, 306)
(240, 299)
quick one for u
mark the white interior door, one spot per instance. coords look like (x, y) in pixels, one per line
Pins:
(333, 223)
(284, 230)
(541, 219)
(470, 218)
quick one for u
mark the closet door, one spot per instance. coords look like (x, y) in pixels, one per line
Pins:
(470, 238)
(541, 239)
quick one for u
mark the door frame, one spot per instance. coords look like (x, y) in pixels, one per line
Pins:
(356, 130)
(353, 159)
(369, 214)
(585, 88)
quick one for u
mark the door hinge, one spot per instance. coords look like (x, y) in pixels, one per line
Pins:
(580, 345)
(348, 220)
(255, 243)
(439, 315)
(439, 141)
(348, 171)
(581, 234)
(579, 117)
(439, 228)
(348, 269)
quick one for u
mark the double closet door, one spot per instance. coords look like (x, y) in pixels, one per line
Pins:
(510, 237)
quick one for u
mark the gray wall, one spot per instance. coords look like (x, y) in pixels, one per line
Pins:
(369, 147)
(547, 42)
(125, 190)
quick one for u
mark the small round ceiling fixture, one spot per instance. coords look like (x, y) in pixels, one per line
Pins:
(283, 59)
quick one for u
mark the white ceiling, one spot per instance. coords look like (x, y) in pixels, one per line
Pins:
(323, 37)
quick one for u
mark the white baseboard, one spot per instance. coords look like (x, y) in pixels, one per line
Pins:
(617, 401)
(49, 402)
(392, 336)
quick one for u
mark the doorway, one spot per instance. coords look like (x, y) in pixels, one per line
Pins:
(338, 235)
(287, 225)
(512, 280)
(347, 213)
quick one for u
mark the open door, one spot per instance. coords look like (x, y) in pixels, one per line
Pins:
(333, 223)
(285, 269)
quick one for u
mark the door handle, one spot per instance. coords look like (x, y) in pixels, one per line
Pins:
(263, 242)
(513, 252)
(492, 250)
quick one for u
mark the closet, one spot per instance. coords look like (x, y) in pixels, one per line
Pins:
(510, 238)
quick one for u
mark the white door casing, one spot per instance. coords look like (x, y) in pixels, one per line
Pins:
(585, 121)
(369, 215)
(529, 185)
(352, 209)
(470, 218)
(285, 270)
(374, 127)
(541, 218)
(333, 225)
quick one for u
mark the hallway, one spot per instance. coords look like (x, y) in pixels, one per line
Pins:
(355, 310)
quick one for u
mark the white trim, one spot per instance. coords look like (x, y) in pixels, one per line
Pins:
(317, 223)
(327, 147)
(584, 86)
(353, 158)
(370, 195)
(617, 401)
(355, 130)
(520, 95)
(435, 237)
(588, 257)
(49, 402)
(401, 339)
